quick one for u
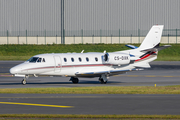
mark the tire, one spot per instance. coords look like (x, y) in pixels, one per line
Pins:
(75, 80)
(23, 82)
(102, 81)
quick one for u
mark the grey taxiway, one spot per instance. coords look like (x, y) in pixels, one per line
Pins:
(161, 74)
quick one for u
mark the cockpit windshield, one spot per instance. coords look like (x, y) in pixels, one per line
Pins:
(39, 60)
(33, 59)
(36, 59)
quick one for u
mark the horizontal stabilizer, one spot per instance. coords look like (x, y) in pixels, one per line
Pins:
(157, 48)
(163, 47)
(131, 46)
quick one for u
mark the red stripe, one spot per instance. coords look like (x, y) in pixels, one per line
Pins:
(145, 56)
(71, 66)
(87, 65)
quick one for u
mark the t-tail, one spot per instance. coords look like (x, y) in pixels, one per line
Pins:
(153, 38)
(149, 48)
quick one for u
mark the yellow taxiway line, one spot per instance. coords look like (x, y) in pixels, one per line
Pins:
(32, 104)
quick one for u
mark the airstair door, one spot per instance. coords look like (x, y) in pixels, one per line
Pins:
(57, 64)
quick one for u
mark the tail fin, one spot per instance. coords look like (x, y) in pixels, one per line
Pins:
(153, 38)
(149, 48)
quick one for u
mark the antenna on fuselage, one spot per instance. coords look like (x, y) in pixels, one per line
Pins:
(82, 51)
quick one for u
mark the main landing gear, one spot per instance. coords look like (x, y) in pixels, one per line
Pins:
(74, 80)
(103, 79)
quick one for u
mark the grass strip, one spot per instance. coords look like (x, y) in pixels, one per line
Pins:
(97, 90)
(51, 116)
(24, 52)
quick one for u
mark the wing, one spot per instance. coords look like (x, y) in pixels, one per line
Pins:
(99, 73)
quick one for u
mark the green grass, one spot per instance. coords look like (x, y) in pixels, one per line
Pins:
(85, 117)
(24, 52)
(97, 90)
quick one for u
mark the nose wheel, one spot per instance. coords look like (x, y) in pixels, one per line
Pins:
(23, 81)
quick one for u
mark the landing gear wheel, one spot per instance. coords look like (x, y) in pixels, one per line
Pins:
(75, 80)
(23, 82)
(102, 81)
(103, 78)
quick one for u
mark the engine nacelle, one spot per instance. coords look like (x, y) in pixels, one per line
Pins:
(116, 59)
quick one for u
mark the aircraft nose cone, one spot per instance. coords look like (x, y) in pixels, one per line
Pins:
(13, 70)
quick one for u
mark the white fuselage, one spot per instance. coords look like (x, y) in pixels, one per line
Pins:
(67, 64)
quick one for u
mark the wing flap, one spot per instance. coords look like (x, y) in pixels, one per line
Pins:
(79, 74)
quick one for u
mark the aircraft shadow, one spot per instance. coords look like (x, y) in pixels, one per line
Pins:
(164, 67)
(55, 83)
(10, 83)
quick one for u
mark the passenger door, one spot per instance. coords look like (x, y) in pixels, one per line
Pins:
(57, 64)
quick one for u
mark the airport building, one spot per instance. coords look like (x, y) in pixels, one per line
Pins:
(86, 21)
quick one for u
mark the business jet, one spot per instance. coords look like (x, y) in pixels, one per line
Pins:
(93, 64)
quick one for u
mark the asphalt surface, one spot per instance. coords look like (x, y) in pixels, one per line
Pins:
(89, 104)
(161, 73)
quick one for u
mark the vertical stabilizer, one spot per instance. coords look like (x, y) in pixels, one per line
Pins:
(153, 38)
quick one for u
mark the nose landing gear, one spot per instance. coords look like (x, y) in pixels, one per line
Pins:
(24, 81)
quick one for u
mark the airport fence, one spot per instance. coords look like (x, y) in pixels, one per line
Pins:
(84, 36)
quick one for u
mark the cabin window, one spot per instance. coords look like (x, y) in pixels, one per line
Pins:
(39, 60)
(43, 60)
(72, 59)
(65, 60)
(80, 59)
(33, 59)
(96, 59)
(87, 59)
